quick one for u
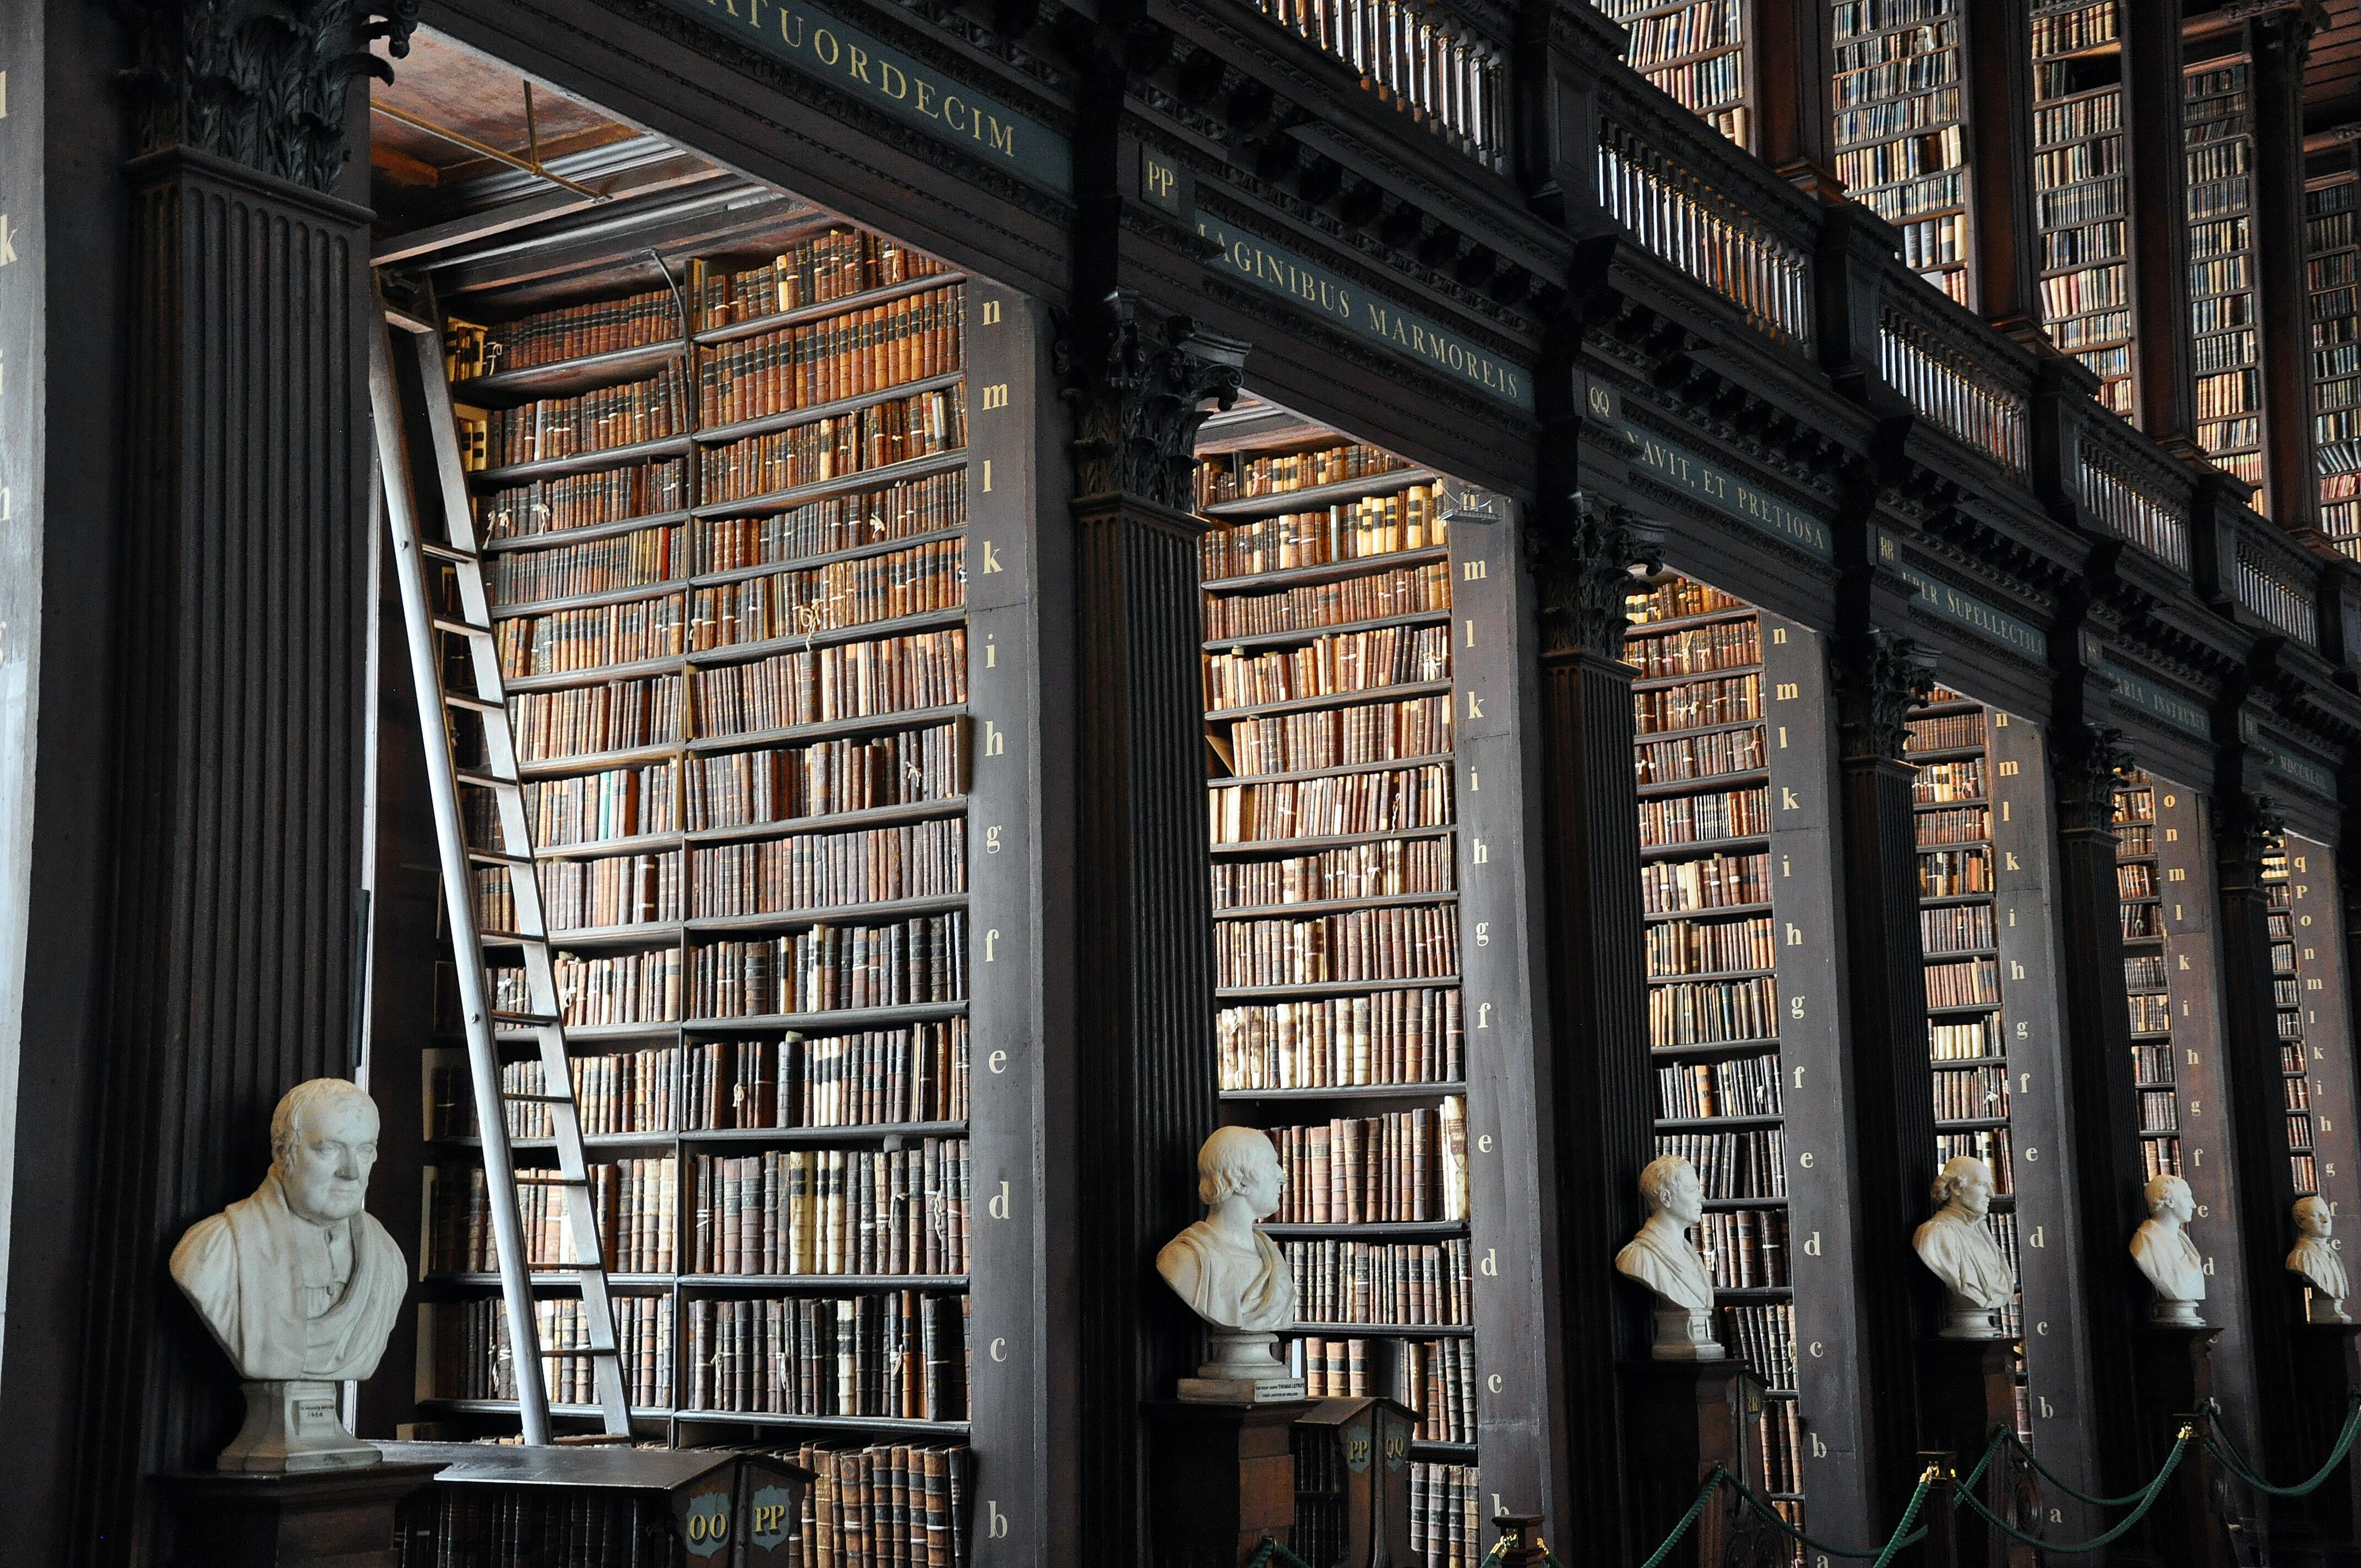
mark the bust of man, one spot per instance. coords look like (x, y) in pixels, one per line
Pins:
(298, 1283)
(1660, 1257)
(2162, 1249)
(1226, 1269)
(2316, 1260)
(1957, 1246)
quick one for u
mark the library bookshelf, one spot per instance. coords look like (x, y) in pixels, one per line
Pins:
(1698, 51)
(2218, 126)
(2082, 189)
(2332, 319)
(2140, 876)
(1898, 96)
(759, 699)
(2308, 986)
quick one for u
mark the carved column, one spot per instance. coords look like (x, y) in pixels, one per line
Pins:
(2000, 152)
(2280, 40)
(1796, 121)
(1137, 383)
(1880, 677)
(239, 691)
(2157, 177)
(1580, 552)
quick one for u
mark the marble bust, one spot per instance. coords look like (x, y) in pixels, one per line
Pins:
(1958, 1248)
(1232, 1276)
(2315, 1259)
(2162, 1249)
(298, 1283)
(1660, 1258)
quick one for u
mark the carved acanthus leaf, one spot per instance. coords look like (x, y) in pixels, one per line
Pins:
(2091, 767)
(1581, 558)
(1881, 676)
(1139, 383)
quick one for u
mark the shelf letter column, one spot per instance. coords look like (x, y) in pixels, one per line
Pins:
(240, 690)
(1581, 552)
(1136, 383)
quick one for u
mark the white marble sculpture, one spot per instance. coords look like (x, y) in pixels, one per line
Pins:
(298, 1283)
(1660, 1257)
(2315, 1258)
(2162, 1249)
(1957, 1246)
(1232, 1276)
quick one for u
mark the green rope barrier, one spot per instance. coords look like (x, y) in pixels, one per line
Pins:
(1272, 1548)
(2226, 1449)
(2147, 1500)
(2066, 1486)
(2000, 1436)
(1705, 1493)
(1894, 1542)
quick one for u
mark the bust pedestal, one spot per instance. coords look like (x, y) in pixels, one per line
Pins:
(1967, 1387)
(327, 1519)
(1218, 1478)
(2327, 1373)
(293, 1427)
(2174, 1368)
(1686, 1417)
(1244, 1370)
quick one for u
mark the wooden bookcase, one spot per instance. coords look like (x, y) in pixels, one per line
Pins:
(2140, 878)
(2218, 121)
(2081, 190)
(886, 556)
(1899, 99)
(2332, 300)
(1699, 52)
(2308, 995)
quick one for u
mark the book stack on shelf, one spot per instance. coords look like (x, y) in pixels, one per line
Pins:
(1331, 810)
(2218, 121)
(2333, 290)
(1703, 768)
(2287, 1001)
(1901, 135)
(728, 594)
(1958, 930)
(1699, 52)
(2081, 189)
(2147, 975)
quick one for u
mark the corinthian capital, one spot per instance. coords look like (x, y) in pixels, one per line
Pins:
(1581, 558)
(1881, 676)
(2089, 767)
(1137, 382)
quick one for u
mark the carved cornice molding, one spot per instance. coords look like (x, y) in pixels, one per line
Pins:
(1581, 561)
(1880, 677)
(1138, 381)
(2089, 767)
(261, 82)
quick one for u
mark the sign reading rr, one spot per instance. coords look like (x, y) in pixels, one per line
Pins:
(1366, 313)
(844, 56)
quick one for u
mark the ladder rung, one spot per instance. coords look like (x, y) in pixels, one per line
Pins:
(526, 1020)
(499, 858)
(472, 703)
(524, 1181)
(507, 939)
(538, 1099)
(428, 548)
(565, 1268)
(462, 628)
(486, 781)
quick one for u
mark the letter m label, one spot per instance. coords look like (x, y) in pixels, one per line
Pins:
(996, 395)
(1469, 571)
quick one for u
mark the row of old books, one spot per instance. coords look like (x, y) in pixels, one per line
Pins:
(820, 451)
(591, 637)
(550, 428)
(1277, 474)
(580, 721)
(594, 566)
(577, 896)
(826, 870)
(1734, 1165)
(1741, 1086)
(1349, 531)
(847, 356)
(1340, 737)
(1676, 948)
(471, 1358)
(1397, 942)
(1388, 1284)
(615, 988)
(1321, 808)
(1697, 757)
(2152, 1064)
(1717, 882)
(1963, 1039)
(565, 501)
(1446, 1514)
(1435, 1378)
(851, 680)
(833, 523)
(1764, 1338)
(619, 1091)
(2159, 1109)
(1401, 1167)
(1941, 783)
(632, 1203)
(1343, 662)
(567, 332)
(2140, 920)
(1970, 1094)
(887, 1505)
(749, 788)
(891, 1211)
(1726, 645)
(1397, 1036)
(1702, 1013)
(1949, 873)
(1695, 819)
(1659, 36)
(1678, 598)
(533, 1527)
(1378, 595)
(916, 581)
(2151, 1014)
(829, 968)
(1745, 1249)
(1955, 825)
(830, 267)
(1974, 983)
(1783, 1449)
(1955, 928)
(1990, 1145)
(873, 1077)
(895, 1354)
(1389, 868)
(1947, 732)
(1698, 704)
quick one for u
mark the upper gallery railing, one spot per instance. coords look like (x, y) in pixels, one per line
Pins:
(1426, 62)
(2128, 501)
(2276, 578)
(1946, 381)
(1699, 203)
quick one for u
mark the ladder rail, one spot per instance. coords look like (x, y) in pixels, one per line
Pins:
(489, 703)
